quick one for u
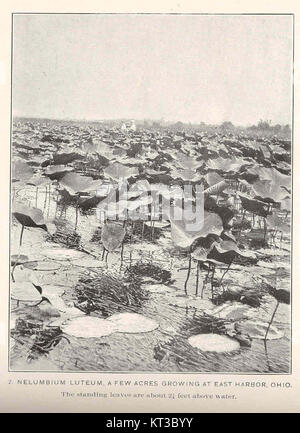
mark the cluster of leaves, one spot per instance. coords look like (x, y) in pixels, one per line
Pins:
(64, 235)
(106, 294)
(37, 339)
(243, 178)
(150, 270)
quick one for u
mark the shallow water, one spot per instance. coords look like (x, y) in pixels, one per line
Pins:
(165, 349)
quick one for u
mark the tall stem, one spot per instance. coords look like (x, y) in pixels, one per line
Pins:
(122, 251)
(281, 236)
(226, 271)
(21, 235)
(152, 230)
(265, 230)
(143, 227)
(274, 312)
(45, 201)
(49, 201)
(76, 213)
(36, 195)
(197, 277)
(212, 281)
(188, 274)
(17, 259)
(205, 281)
(243, 217)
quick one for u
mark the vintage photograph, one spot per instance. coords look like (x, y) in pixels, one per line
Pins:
(151, 193)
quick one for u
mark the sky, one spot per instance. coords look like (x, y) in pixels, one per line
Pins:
(188, 68)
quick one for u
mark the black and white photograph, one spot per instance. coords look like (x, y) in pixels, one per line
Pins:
(151, 193)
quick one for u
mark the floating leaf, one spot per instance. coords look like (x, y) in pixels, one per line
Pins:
(214, 343)
(256, 329)
(42, 266)
(231, 311)
(53, 290)
(157, 224)
(25, 291)
(89, 327)
(62, 254)
(18, 259)
(88, 262)
(132, 323)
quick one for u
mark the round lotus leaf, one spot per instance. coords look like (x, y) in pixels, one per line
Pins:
(157, 224)
(257, 329)
(214, 343)
(42, 266)
(25, 291)
(18, 259)
(53, 290)
(63, 254)
(132, 323)
(88, 262)
(89, 327)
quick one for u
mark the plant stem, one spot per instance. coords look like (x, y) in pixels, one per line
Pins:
(122, 251)
(281, 236)
(226, 271)
(76, 213)
(274, 312)
(143, 227)
(152, 230)
(197, 277)
(243, 217)
(265, 230)
(188, 274)
(45, 201)
(212, 281)
(21, 235)
(49, 201)
(14, 267)
(36, 196)
(205, 281)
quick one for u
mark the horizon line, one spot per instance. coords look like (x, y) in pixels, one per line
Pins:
(270, 121)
